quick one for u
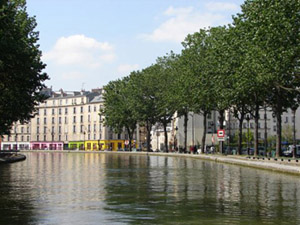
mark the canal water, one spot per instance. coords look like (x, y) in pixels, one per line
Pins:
(88, 188)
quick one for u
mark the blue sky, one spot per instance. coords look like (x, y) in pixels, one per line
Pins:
(88, 43)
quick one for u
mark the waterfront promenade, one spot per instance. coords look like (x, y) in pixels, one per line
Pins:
(282, 165)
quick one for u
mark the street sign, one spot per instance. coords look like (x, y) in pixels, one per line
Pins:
(221, 139)
(221, 134)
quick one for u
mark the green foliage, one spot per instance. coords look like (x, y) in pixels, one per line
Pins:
(287, 133)
(21, 77)
(119, 110)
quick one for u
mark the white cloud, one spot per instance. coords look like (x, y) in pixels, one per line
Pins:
(81, 51)
(222, 6)
(182, 21)
(127, 68)
(73, 75)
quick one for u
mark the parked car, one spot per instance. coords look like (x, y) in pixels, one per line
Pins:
(289, 151)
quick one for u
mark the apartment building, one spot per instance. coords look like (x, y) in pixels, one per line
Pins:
(66, 120)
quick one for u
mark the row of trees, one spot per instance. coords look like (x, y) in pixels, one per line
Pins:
(243, 67)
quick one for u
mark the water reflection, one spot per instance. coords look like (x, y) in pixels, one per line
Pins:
(75, 188)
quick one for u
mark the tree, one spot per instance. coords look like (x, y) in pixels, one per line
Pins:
(166, 103)
(144, 89)
(273, 42)
(119, 108)
(21, 76)
(195, 55)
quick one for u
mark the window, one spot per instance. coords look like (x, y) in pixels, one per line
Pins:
(59, 137)
(27, 138)
(81, 109)
(74, 129)
(259, 135)
(38, 121)
(209, 116)
(27, 129)
(45, 130)
(37, 137)
(94, 127)
(66, 120)
(45, 120)
(59, 129)
(259, 125)
(74, 119)
(53, 111)
(45, 112)
(94, 136)
(59, 111)
(66, 137)
(45, 138)
(286, 119)
(81, 119)
(89, 118)
(89, 128)
(274, 128)
(95, 108)
(52, 131)
(22, 138)
(59, 120)
(119, 136)
(66, 111)
(53, 120)
(22, 130)
(89, 109)
(110, 136)
(37, 130)
(74, 110)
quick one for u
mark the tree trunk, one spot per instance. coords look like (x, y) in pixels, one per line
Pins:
(266, 131)
(166, 136)
(204, 132)
(221, 122)
(185, 130)
(278, 133)
(294, 133)
(240, 138)
(130, 140)
(256, 119)
(148, 127)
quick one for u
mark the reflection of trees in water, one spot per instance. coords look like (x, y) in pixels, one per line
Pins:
(158, 190)
(15, 204)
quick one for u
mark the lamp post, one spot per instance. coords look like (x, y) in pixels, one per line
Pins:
(248, 132)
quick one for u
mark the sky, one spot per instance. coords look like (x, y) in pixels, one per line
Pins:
(87, 43)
